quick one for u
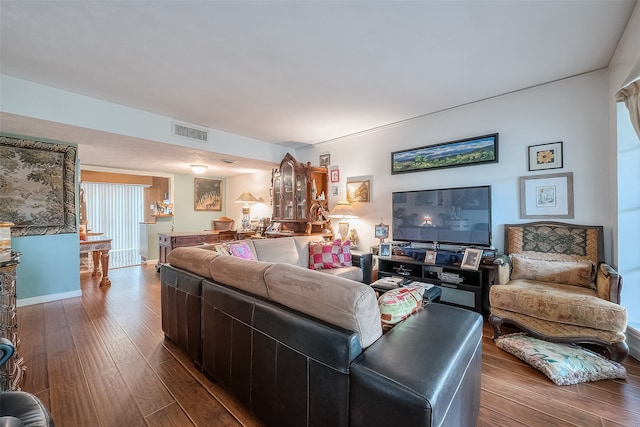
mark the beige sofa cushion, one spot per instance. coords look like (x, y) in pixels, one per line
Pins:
(345, 303)
(195, 259)
(566, 304)
(240, 273)
(277, 250)
(302, 246)
(351, 273)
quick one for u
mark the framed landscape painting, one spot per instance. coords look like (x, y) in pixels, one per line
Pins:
(207, 194)
(464, 152)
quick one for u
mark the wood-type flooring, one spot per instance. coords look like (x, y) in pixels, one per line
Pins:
(101, 360)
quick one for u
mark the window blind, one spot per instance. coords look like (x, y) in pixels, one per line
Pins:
(116, 210)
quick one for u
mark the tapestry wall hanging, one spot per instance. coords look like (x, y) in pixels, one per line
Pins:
(37, 183)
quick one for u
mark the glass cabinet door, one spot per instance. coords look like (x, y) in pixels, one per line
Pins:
(287, 191)
(301, 197)
(277, 199)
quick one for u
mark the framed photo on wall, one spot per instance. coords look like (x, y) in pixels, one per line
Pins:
(463, 152)
(358, 190)
(546, 196)
(207, 194)
(325, 159)
(545, 156)
(334, 175)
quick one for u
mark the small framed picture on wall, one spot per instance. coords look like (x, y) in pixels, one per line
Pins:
(334, 175)
(545, 156)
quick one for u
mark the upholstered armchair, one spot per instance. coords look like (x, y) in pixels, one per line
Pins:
(554, 284)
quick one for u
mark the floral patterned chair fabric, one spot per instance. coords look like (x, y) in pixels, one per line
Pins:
(555, 285)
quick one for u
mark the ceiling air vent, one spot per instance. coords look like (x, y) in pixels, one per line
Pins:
(190, 131)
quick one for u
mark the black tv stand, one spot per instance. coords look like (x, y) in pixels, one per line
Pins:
(460, 287)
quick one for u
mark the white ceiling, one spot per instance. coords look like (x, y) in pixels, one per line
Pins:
(293, 71)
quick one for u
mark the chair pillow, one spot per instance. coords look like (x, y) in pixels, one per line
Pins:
(577, 273)
(398, 304)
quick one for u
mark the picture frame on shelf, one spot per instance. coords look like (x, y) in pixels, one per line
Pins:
(547, 196)
(463, 152)
(385, 249)
(430, 257)
(471, 259)
(545, 156)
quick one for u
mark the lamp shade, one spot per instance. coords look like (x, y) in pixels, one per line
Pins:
(343, 210)
(246, 198)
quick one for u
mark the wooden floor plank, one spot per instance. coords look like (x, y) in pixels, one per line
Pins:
(101, 359)
(117, 408)
(201, 406)
(169, 416)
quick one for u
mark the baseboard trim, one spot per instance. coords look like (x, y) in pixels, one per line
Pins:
(23, 302)
(633, 340)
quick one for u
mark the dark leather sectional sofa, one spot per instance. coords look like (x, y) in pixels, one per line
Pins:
(299, 347)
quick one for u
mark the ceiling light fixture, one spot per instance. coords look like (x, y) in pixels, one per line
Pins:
(198, 168)
(229, 161)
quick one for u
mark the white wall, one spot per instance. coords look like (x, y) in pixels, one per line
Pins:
(574, 111)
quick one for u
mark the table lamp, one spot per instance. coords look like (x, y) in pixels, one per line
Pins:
(343, 210)
(247, 199)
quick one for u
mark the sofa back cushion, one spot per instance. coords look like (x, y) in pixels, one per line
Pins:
(577, 273)
(240, 273)
(302, 246)
(277, 250)
(341, 302)
(555, 241)
(195, 259)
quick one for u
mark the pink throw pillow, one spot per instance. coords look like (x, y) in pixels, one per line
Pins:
(242, 250)
(329, 255)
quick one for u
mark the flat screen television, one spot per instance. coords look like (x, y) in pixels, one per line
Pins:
(455, 216)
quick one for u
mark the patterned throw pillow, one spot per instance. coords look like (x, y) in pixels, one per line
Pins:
(398, 304)
(241, 250)
(332, 255)
(577, 273)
